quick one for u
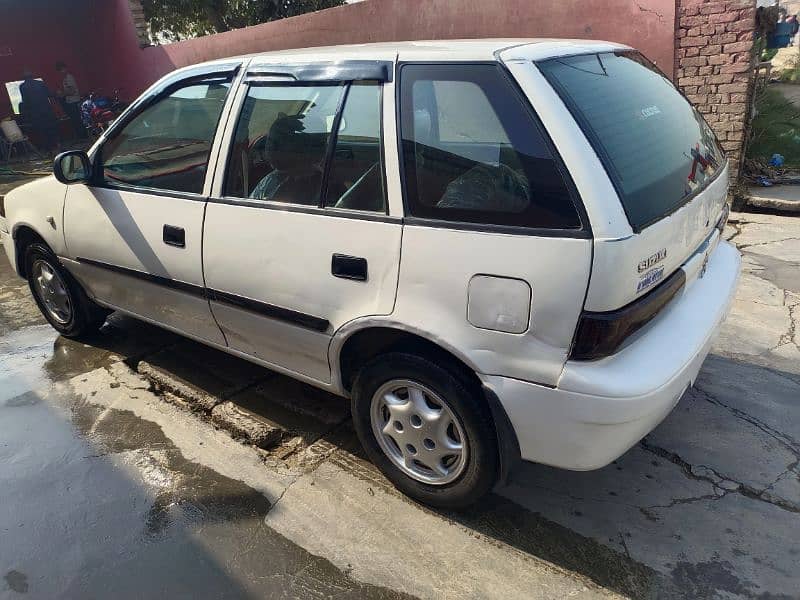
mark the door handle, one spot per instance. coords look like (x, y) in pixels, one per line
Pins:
(174, 236)
(349, 267)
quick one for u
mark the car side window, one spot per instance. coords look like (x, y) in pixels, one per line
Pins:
(355, 179)
(472, 151)
(281, 142)
(285, 148)
(167, 145)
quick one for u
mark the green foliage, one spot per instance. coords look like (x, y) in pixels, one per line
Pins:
(174, 20)
(775, 129)
(768, 53)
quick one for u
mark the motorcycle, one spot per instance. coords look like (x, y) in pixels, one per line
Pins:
(99, 112)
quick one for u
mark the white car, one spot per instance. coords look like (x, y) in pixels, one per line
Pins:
(498, 249)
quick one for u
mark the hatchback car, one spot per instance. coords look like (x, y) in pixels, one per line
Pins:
(498, 249)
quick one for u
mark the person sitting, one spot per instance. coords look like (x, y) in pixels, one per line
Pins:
(295, 155)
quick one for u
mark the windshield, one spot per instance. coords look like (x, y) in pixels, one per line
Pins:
(657, 149)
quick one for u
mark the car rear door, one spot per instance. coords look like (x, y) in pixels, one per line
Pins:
(298, 236)
(134, 236)
(496, 247)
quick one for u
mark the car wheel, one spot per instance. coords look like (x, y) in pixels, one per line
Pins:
(60, 298)
(427, 427)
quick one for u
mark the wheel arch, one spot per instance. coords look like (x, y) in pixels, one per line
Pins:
(24, 235)
(352, 349)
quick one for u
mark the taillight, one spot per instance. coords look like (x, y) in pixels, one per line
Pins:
(599, 334)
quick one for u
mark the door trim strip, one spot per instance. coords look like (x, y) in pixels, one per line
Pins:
(268, 310)
(182, 286)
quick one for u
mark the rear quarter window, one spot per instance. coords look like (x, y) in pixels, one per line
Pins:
(657, 149)
(473, 153)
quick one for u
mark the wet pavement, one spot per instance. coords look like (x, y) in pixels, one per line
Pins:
(120, 476)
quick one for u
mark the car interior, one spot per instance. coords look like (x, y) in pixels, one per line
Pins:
(466, 164)
(282, 147)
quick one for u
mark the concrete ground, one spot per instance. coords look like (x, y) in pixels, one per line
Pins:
(783, 198)
(122, 476)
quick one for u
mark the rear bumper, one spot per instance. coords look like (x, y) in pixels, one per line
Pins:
(600, 409)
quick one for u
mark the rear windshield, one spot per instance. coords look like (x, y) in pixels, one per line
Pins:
(656, 147)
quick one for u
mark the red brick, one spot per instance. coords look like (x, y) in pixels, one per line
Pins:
(735, 107)
(748, 14)
(697, 98)
(689, 11)
(723, 18)
(739, 67)
(743, 25)
(690, 72)
(728, 146)
(691, 81)
(736, 136)
(738, 47)
(724, 38)
(719, 59)
(738, 98)
(711, 50)
(694, 41)
(690, 51)
(712, 8)
(724, 126)
(687, 22)
(718, 79)
(695, 61)
(705, 70)
(734, 88)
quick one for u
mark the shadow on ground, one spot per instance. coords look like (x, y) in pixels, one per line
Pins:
(705, 505)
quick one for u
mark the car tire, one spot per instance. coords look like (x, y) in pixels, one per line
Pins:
(59, 296)
(450, 482)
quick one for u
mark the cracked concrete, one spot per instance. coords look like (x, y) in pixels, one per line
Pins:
(710, 499)
(764, 315)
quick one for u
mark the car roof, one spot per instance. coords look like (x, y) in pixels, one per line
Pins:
(434, 50)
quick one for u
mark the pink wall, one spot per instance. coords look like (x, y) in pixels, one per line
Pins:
(646, 24)
(39, 33)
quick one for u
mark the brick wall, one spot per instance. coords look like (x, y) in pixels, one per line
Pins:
(139, 23)
(714, 66)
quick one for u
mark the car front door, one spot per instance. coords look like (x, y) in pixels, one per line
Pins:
(134, 236)
(299, 239)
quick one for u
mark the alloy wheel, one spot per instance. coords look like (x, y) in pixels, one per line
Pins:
(52, 291)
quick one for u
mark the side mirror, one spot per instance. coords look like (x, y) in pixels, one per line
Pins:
(72, 167)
